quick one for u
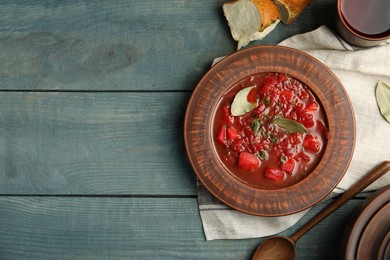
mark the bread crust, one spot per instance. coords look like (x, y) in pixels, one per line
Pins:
(290, 9)
(269, 12)
(251, 20)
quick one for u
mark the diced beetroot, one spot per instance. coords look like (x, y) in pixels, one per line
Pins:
(232, 133)
(305, 157)
(248, 161)
(304, 95)
(287, 94)
(312, 106)
(271, 80)
(294, 138)
(221, 137)
(302, 156)
(311, 143)
(228, 118)
(259, 109)
(322, 127)
(307, 119)
(252, 95)
(274, 174)
(282, 77)
(288, 166)
(266, 90)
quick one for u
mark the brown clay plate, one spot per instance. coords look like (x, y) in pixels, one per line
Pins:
(234, 192)
(384, 249)
(373, 234)
(359, 229)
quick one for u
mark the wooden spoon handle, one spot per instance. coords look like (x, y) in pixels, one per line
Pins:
(372, 176)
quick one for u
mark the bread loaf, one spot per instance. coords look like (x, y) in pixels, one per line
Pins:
(290, 9)
(250, 20)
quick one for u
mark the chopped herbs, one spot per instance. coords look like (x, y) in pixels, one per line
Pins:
(256, 126)
(262, 155)
(283, 159)
(264, 132)
(274, 139)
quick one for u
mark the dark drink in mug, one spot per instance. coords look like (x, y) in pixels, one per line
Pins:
(364, 22)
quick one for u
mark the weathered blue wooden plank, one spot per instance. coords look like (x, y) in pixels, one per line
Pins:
(143, 45)
(137, 228)
(122, 45)
(93, 143)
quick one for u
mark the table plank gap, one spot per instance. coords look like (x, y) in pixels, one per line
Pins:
(101, 228)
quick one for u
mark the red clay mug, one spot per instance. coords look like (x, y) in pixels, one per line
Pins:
(364, 23)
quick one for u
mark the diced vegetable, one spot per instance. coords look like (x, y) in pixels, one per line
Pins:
(232, 133)
(228, 118)
(312, 144)
(271, 80)
(307, 119)
(274, 174)
(221, 137)
(252, 95)
(312, 106)
(322, 127)
(282, 77)
(248, 161)
(288, 166)
(302, 156)
(287, 94)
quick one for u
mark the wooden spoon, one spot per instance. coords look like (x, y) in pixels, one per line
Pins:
(283, 248)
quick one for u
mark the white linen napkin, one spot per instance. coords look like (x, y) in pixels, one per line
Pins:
(359, 70)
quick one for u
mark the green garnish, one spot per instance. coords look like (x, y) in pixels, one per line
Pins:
(262, 155)
(274, 139)
(255, 126)
(283, 159)
(264, 133)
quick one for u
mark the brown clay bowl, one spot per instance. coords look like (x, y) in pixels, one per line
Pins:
(366, 234)
(233, 191)
(384, 248)
(373, 234)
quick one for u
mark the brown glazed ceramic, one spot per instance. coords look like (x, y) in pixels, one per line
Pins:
(361, 238)
(353, 37)
(384, 249)
(224, 185)
(373, 234)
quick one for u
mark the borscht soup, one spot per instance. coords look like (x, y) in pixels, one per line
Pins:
(269, 130)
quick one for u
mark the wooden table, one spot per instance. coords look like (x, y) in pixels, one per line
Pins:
(92, 101)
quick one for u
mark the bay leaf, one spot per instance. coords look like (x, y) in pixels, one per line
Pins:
(240, 104)
(382, 94)
(291, 126)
